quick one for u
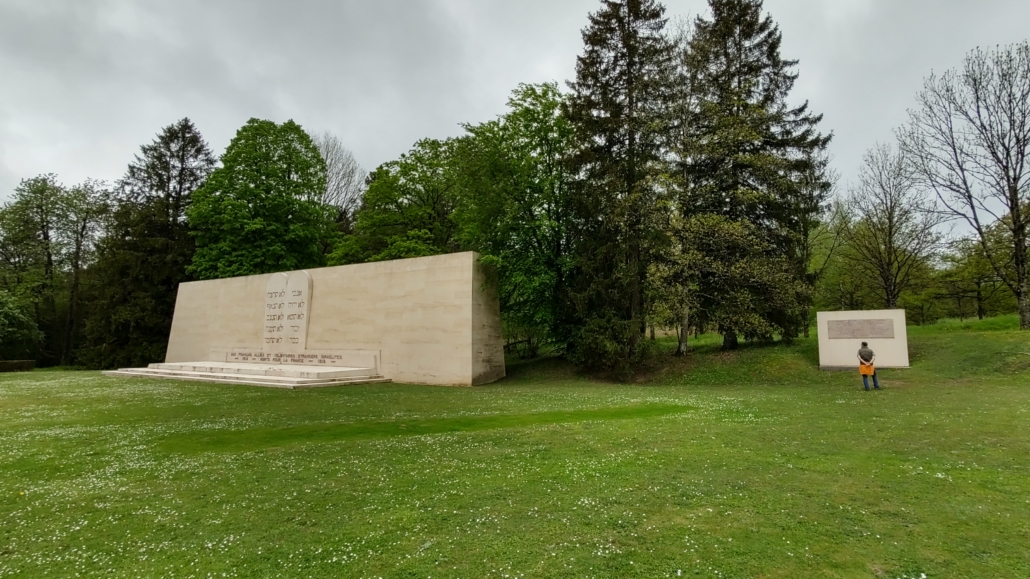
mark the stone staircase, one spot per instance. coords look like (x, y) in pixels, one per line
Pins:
(272, 376)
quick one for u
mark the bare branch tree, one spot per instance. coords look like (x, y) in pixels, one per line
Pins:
(345, 185)
(895, 232)
(829, 238)
(969, 142)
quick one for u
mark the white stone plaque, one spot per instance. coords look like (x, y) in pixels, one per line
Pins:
(287, 308)
(861, 329)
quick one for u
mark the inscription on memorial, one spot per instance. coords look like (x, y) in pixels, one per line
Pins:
(861, 330)
(280, 359)
(287, 307)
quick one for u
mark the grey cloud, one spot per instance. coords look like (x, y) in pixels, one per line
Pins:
(85, 82)
(863, 61)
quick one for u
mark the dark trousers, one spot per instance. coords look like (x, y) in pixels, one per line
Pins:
(876, 383)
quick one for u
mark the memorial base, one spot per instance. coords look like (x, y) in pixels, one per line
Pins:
(289, 377)
(855, 368)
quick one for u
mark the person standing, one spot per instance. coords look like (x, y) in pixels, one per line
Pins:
(867, 366)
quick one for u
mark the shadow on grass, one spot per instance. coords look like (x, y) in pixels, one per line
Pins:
(706, 363)
(545, 368)
(265, 438)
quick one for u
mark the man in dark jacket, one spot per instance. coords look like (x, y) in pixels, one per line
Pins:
(867, 366)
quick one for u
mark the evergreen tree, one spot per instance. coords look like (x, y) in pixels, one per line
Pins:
(619, 108)
(744, 153)
(171, 168)
(262, 211)
(129, 321)
(738, 280)
(145, 251)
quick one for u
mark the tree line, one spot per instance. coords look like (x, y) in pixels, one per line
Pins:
(672, 184)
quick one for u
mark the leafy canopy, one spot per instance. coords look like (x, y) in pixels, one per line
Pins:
(407, 210)
(262, 212)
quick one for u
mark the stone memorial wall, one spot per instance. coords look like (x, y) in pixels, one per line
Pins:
(431, 320)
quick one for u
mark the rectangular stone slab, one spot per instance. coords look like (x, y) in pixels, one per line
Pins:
(861, 330)
(841, 335)
(431, 320)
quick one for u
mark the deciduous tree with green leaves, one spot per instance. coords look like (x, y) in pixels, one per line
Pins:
(262, 210)
(408, 208)
(31, 246)
(48, 235)
(514, 208)
(85, 210)
(19, 336)
(969, 279)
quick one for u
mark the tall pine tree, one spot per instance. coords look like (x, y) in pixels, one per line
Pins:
(147, 249)
(619, 108)
(747, 155)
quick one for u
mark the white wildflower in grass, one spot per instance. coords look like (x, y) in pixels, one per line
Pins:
(127, 478)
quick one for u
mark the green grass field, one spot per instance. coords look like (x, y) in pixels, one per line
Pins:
(750, 464)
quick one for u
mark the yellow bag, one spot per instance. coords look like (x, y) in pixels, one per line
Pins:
(867, 369)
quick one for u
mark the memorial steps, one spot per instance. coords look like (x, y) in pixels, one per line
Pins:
(287, 377)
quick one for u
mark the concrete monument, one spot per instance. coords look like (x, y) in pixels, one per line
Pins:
(433, 320)
(841, 335)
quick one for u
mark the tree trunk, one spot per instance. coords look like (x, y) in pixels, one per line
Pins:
(891, 302)
(73, 297)
(1024, 307)
(52, 328)
(684, 333)
(69, 328)
(1021, 280)
(1019, 237)
(636, 300)
(730, 341)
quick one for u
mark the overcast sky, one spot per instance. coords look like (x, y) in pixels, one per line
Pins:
(83, 83)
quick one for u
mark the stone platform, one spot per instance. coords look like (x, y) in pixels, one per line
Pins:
(289, 377)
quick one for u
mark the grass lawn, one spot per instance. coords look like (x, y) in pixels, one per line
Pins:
(751, 464)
